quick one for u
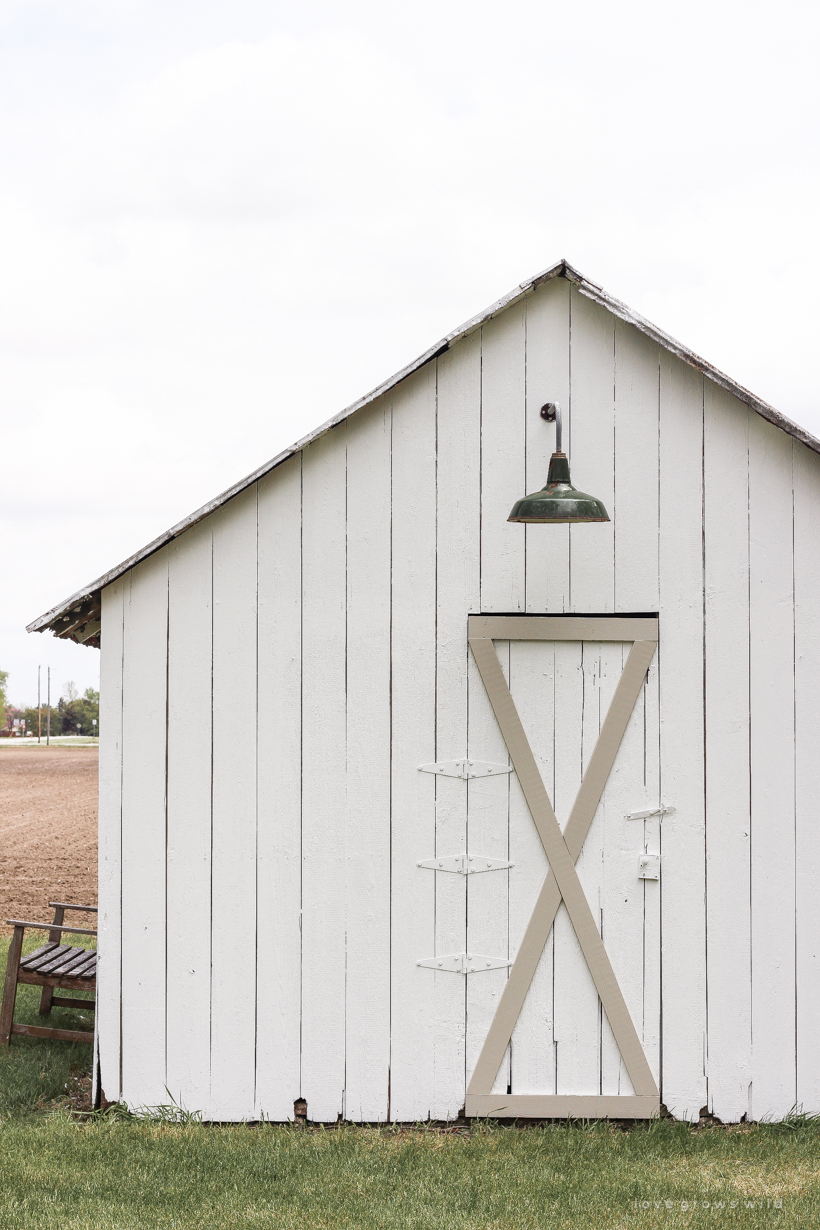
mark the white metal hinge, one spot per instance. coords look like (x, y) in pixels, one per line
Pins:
(663, 810)
(464, 963)
(464, 864)
(465, 768)
(649, 867)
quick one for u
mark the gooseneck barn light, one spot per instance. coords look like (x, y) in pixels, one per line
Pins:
(559, 503)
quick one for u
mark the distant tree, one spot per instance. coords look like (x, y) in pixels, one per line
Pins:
(70, 692)
(6, 711)
(88, 710)
(76, 716)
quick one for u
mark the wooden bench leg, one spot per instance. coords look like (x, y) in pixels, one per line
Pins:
(10, 987)
(47, 995)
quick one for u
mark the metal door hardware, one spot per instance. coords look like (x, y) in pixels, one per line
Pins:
(464, 864)
(465, 768)
(663, 810)
(464, 963)
(649, 867)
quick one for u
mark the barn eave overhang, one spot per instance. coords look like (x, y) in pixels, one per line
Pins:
(78, 618)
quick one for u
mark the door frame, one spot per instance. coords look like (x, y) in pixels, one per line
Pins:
(562, 850)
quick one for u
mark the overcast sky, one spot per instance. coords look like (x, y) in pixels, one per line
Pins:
(221, 221)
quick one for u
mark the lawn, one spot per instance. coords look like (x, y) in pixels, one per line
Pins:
(114, 1171)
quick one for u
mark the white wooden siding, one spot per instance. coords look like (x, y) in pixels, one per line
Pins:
(144, 834)
(367, 791)
(728, 845)
(807, 771)
(279, 708)
(312, 634)
(190, 740)
(771, 687)
(458, 582)
(683, 891)
(416, 1029)
(109, 855)
(324, 725)
(234, 924)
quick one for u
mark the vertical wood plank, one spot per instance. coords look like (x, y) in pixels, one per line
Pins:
(683, 1087)
(728, 934)
(532, 684)
(233, 920)
(278, 987)
(503, 588)
(367, 817)
(649, 701)
(771, 635)
(622, 896)
(488, 895)
(576, 1000)
(190, 660)
(458, 593)
(503, 454)
(635, 499)
(426, 1064)
(807, 762)
(144, 834)
(109, 937)
(547, 546)
(636, 518)
(324, 588)
(590, 446)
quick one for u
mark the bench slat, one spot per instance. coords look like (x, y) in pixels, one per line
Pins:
(87, 969)
(49, 963)
(46, 959)
(72, 959)
(38, 952)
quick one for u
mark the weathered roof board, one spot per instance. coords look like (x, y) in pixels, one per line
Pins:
(80, 614)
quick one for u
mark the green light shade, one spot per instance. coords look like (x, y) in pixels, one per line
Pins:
(559, 503)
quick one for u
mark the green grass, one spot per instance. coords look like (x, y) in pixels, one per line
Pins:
(55, 1173)
(115, 1171)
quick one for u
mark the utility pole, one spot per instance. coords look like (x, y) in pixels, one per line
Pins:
(48, 707)
(39, 723)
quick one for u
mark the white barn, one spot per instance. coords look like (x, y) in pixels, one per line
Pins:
(267, 932)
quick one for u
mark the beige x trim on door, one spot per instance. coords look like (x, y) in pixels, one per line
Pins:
(562, 850)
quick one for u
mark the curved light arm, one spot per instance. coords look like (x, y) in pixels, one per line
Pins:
(552, 413)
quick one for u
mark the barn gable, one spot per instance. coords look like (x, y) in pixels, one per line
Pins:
(77, 617)
(275, 673)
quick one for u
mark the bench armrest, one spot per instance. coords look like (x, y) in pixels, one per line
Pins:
(17, 922)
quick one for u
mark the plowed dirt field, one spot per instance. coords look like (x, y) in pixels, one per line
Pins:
(48, 829)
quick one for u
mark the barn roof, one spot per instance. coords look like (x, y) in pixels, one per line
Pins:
(78, 617)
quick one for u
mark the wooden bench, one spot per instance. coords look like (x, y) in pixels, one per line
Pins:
(52, 966)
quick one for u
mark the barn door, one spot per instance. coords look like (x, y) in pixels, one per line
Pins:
(565, 1032)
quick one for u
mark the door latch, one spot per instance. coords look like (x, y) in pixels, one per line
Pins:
(649, 867)
(663, 810)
